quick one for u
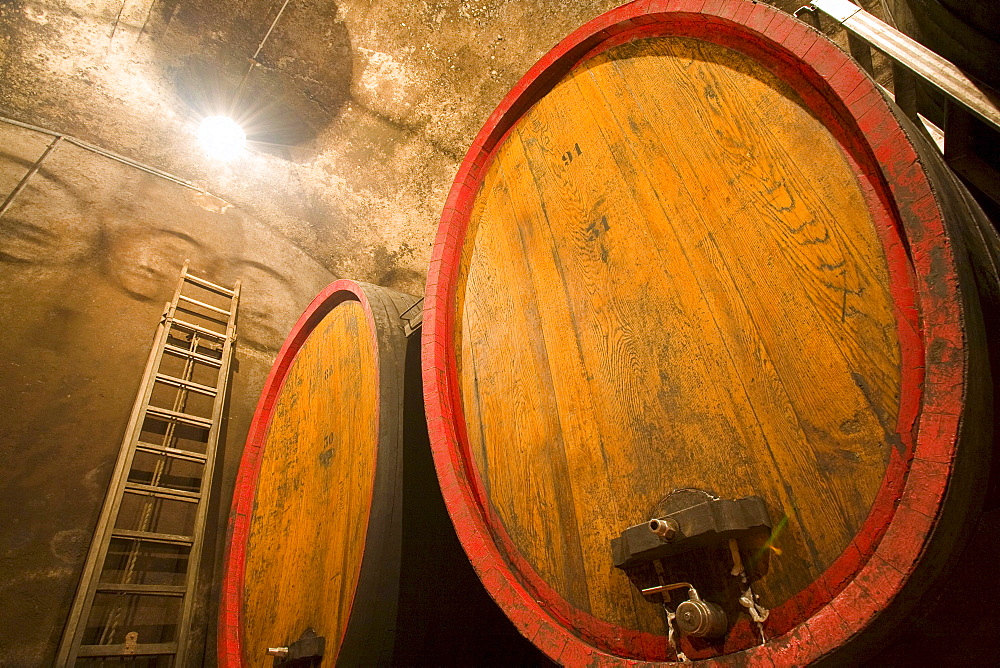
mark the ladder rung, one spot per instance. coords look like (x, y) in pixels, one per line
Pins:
(176, 453)
(184, 324)
(162, 492)
(119, 650)
(186, 418)
(186, 384)
(209, 285)
(192, 300)
(147, 590)
(170, 538)
(183, 352)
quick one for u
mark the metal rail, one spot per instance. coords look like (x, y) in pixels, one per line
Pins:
(968, 116)
(107, 154)
(915, 57)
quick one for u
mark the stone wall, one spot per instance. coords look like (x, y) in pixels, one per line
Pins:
(89, 253)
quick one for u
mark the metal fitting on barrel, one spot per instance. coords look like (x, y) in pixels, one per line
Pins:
(701, 619)
(666, 527)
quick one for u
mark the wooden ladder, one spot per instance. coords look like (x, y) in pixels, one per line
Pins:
(137, 591)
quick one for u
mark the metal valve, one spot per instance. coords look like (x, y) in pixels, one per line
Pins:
(701, 619)
(306, 651)
(694, 617)
(703, 521)
(688, 531)
(665, 528)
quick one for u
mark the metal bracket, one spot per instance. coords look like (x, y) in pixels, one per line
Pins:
(808, 14)
(302, 652)
(413, 321)
(708, 521)
(921, 61)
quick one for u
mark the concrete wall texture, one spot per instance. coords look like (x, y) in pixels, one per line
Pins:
(89, 253)
(358, 112)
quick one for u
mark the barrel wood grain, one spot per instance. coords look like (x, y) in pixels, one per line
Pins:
(693, 295)
(874, 305)
(308, 534)
(316, 526)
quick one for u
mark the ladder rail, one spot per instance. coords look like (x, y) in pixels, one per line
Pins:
(201, 304)
(190, 326)
(122, 483)
(152, 537)
(176, 453)
(208, 285)
(151, 649)
(161, 492)
(201, 514)
(201, 359)
(182, 383)
(142, 589)
(167, 415)
(97, 554)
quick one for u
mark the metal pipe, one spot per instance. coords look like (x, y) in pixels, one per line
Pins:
(666, 527)
(253, 60)
(107, 154)
(27, 177)
(268, 33)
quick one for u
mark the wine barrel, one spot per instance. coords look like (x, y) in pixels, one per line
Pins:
(316, 522)
(702, 323)
(326, 534)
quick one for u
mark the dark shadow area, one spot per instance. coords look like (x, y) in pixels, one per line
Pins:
(959, 628)
(445, 617)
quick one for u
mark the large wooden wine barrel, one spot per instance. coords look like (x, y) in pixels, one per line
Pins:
(696, 269)
(316, 523)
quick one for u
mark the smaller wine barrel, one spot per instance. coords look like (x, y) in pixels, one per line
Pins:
(705, 312)
(316, 521)
(327, 536)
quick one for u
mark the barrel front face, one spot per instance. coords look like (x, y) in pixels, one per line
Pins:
(319, 463)
(693, 251)
(692, 294)
(316, 525)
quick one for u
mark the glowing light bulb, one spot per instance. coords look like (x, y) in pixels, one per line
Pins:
(222, 137)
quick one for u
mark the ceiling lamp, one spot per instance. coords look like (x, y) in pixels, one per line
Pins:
(222, 137)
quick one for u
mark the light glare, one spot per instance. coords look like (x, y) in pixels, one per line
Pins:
(222, 137)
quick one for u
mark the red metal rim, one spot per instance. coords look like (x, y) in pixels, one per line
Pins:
(875, 567)
(230, 651)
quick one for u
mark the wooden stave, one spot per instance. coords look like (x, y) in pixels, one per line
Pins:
(544, 627)
(504, 513)
(367, 638)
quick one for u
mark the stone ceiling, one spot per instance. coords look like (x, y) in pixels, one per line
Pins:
(359, 112)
